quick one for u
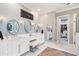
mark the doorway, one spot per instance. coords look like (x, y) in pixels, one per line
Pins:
(63, 29)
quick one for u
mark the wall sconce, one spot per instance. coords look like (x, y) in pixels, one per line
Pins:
(21, 22)
(2, 18)
(40, 25)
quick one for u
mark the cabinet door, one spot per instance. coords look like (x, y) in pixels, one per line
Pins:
(12, 49)
(24, 45)
(42, 38)
(3, 49)
(0, 49)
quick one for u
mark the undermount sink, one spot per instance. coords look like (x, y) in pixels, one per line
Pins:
(33, 34)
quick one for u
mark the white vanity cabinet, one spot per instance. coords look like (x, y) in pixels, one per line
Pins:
(3, 48)
(19, 46)
(42, 39)
(8, 48)
(23, 43)
(38, 37)
(12, 48)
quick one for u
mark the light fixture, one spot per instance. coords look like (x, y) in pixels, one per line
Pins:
(39, 9)
(21, 22)
(45, 15)
(40, 25)
(2, 18)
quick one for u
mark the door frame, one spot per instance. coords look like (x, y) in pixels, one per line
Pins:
(68, 27)
(74, 27)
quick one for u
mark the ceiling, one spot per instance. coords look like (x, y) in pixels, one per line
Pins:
(49, 7)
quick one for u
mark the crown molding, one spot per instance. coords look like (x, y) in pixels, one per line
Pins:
(66, 9)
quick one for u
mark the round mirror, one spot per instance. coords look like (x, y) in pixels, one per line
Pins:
(27, 26)
(13, 26)
(36, 27)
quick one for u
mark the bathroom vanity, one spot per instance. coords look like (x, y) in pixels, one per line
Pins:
(19, 44)
(16, 43)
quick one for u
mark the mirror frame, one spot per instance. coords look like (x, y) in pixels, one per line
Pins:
(25, 26)
(17, 24)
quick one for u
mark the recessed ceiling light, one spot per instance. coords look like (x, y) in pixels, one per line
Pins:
(39, 9)
(45, 15)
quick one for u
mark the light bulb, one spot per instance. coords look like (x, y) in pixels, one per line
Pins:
(21, 22)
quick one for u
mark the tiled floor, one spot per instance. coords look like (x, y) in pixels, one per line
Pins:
(69, 48)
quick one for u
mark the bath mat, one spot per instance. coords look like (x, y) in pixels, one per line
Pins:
(54, 52)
